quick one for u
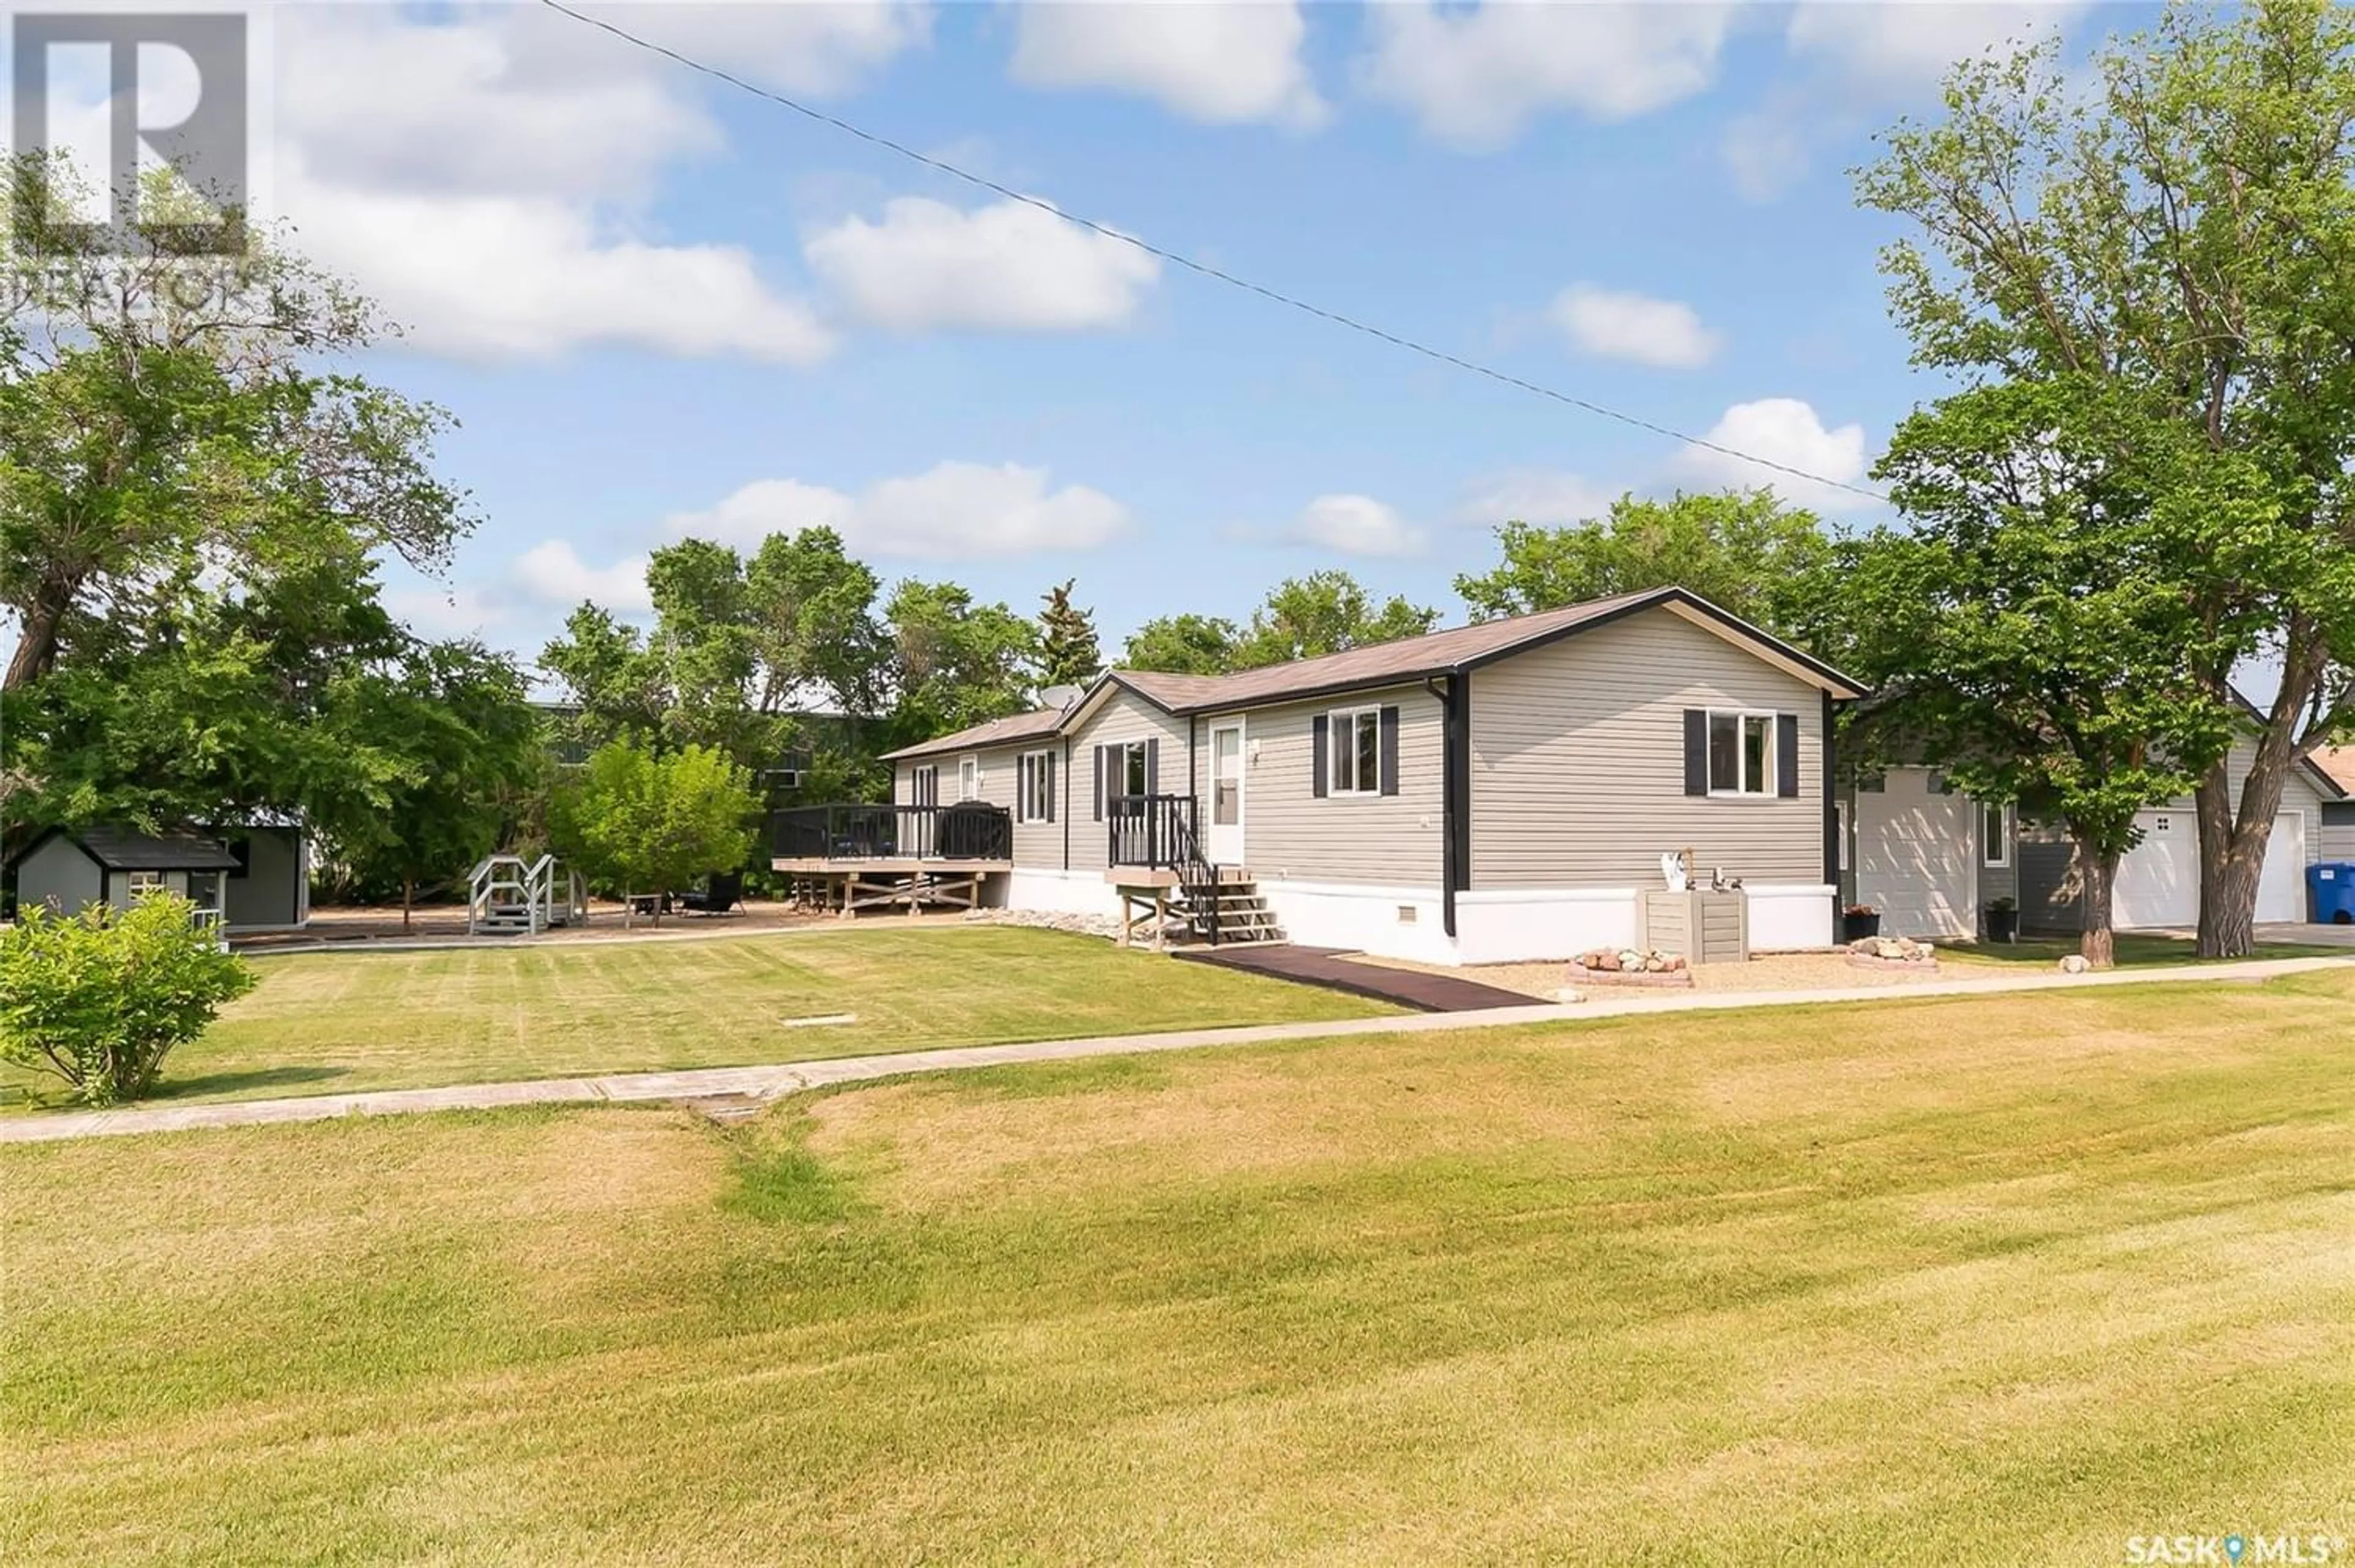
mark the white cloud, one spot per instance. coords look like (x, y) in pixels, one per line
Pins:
(438, 610)
(1858, 63)
(482, 277)
(1785, 431)
(1613, 324)
(1219, 63)
(1007, 267)
(1476, 79)
(553, 573)
(1545, 497)
(1895, 43)
(955, 511)
(1354, 525)
(481, 172)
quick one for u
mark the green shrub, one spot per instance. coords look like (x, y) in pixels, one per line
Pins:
(101, 998)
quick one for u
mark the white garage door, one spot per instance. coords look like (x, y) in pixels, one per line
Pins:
(2158, 881)
(1915, 857)
(2281, 890)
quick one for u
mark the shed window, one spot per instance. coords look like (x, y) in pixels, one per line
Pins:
(145, 883)
(1741, 753)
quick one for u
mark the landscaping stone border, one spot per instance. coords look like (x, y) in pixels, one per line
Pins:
(1673, 979)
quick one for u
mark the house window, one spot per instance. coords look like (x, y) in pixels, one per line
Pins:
(1034, 788)
(1840, 812)
(1124, 769)
(1994, 833)
(968, 778)
(1741, 753)
(1356, 767)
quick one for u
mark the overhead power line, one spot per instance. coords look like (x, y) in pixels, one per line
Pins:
(1201, 269)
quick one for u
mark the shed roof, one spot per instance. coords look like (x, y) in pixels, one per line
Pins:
(125, 849)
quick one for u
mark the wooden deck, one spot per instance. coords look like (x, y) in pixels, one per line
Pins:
(889, 866)
(907, 882)
(1327, 967)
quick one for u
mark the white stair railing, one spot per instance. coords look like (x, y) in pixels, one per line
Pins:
(505, 893)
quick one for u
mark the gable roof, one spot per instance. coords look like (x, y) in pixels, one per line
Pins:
(2336, 764)
(1453, 651)
(1458, 648)
(1038, 723)
(121, 849)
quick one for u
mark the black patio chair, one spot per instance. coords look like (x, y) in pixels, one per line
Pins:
(721, 892)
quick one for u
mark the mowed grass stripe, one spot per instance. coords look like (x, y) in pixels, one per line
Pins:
(338, 1022)
(2006, 1278)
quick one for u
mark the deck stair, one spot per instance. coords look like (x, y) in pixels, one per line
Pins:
(508, 896)
(1226, 905)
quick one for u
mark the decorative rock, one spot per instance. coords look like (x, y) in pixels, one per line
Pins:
(1891, 953)
(1631, 966)
(2075, 965)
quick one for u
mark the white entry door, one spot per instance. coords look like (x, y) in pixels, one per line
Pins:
(1224, 839)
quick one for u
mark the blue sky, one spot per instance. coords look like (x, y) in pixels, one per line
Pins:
(660, 307)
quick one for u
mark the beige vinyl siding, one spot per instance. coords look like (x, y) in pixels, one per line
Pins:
(1578, 761)
(2338, 836)
(1290, 834)
(1036, 843)
(1125, 717)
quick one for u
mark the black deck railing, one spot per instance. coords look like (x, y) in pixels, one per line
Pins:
(1153, 830)
(967, 830)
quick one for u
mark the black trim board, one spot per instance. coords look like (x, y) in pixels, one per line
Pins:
(1831, 792)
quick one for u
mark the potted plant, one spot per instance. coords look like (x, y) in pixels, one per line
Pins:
(1859, 922)
(2003, 920)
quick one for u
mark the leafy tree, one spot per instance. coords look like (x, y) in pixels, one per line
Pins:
(225, 705)
(1068, 651)
(742, 649)
(1743, 550)
(2183, 234)
(953, 662)
(158, 419)
(2026, 634)
(1183, 645)
(1324, 613)
(470, 746)
(100, 998)
(648, 822)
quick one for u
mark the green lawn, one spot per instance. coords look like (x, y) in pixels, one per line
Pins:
(2134, 950)
(1930, 1281)
(330, 1022)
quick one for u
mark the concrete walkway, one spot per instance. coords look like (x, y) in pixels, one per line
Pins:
(768, 1083)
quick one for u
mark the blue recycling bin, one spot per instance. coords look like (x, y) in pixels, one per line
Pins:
(2332, 887)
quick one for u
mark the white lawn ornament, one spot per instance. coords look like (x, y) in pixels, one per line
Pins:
(1672, 866)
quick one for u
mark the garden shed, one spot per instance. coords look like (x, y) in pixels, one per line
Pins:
(246, 879)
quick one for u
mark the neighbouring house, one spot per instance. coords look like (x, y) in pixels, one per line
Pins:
(246, 879)
(1490, 792)
(1932, 859)
(2338, 763)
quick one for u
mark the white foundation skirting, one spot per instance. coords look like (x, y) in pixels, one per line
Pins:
(1785, 917)
(1056, 891)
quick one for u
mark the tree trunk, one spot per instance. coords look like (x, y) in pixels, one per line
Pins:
(2232, 843)
(37, 648)
(2100, 874)
(2232, 850)
(407, 897)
